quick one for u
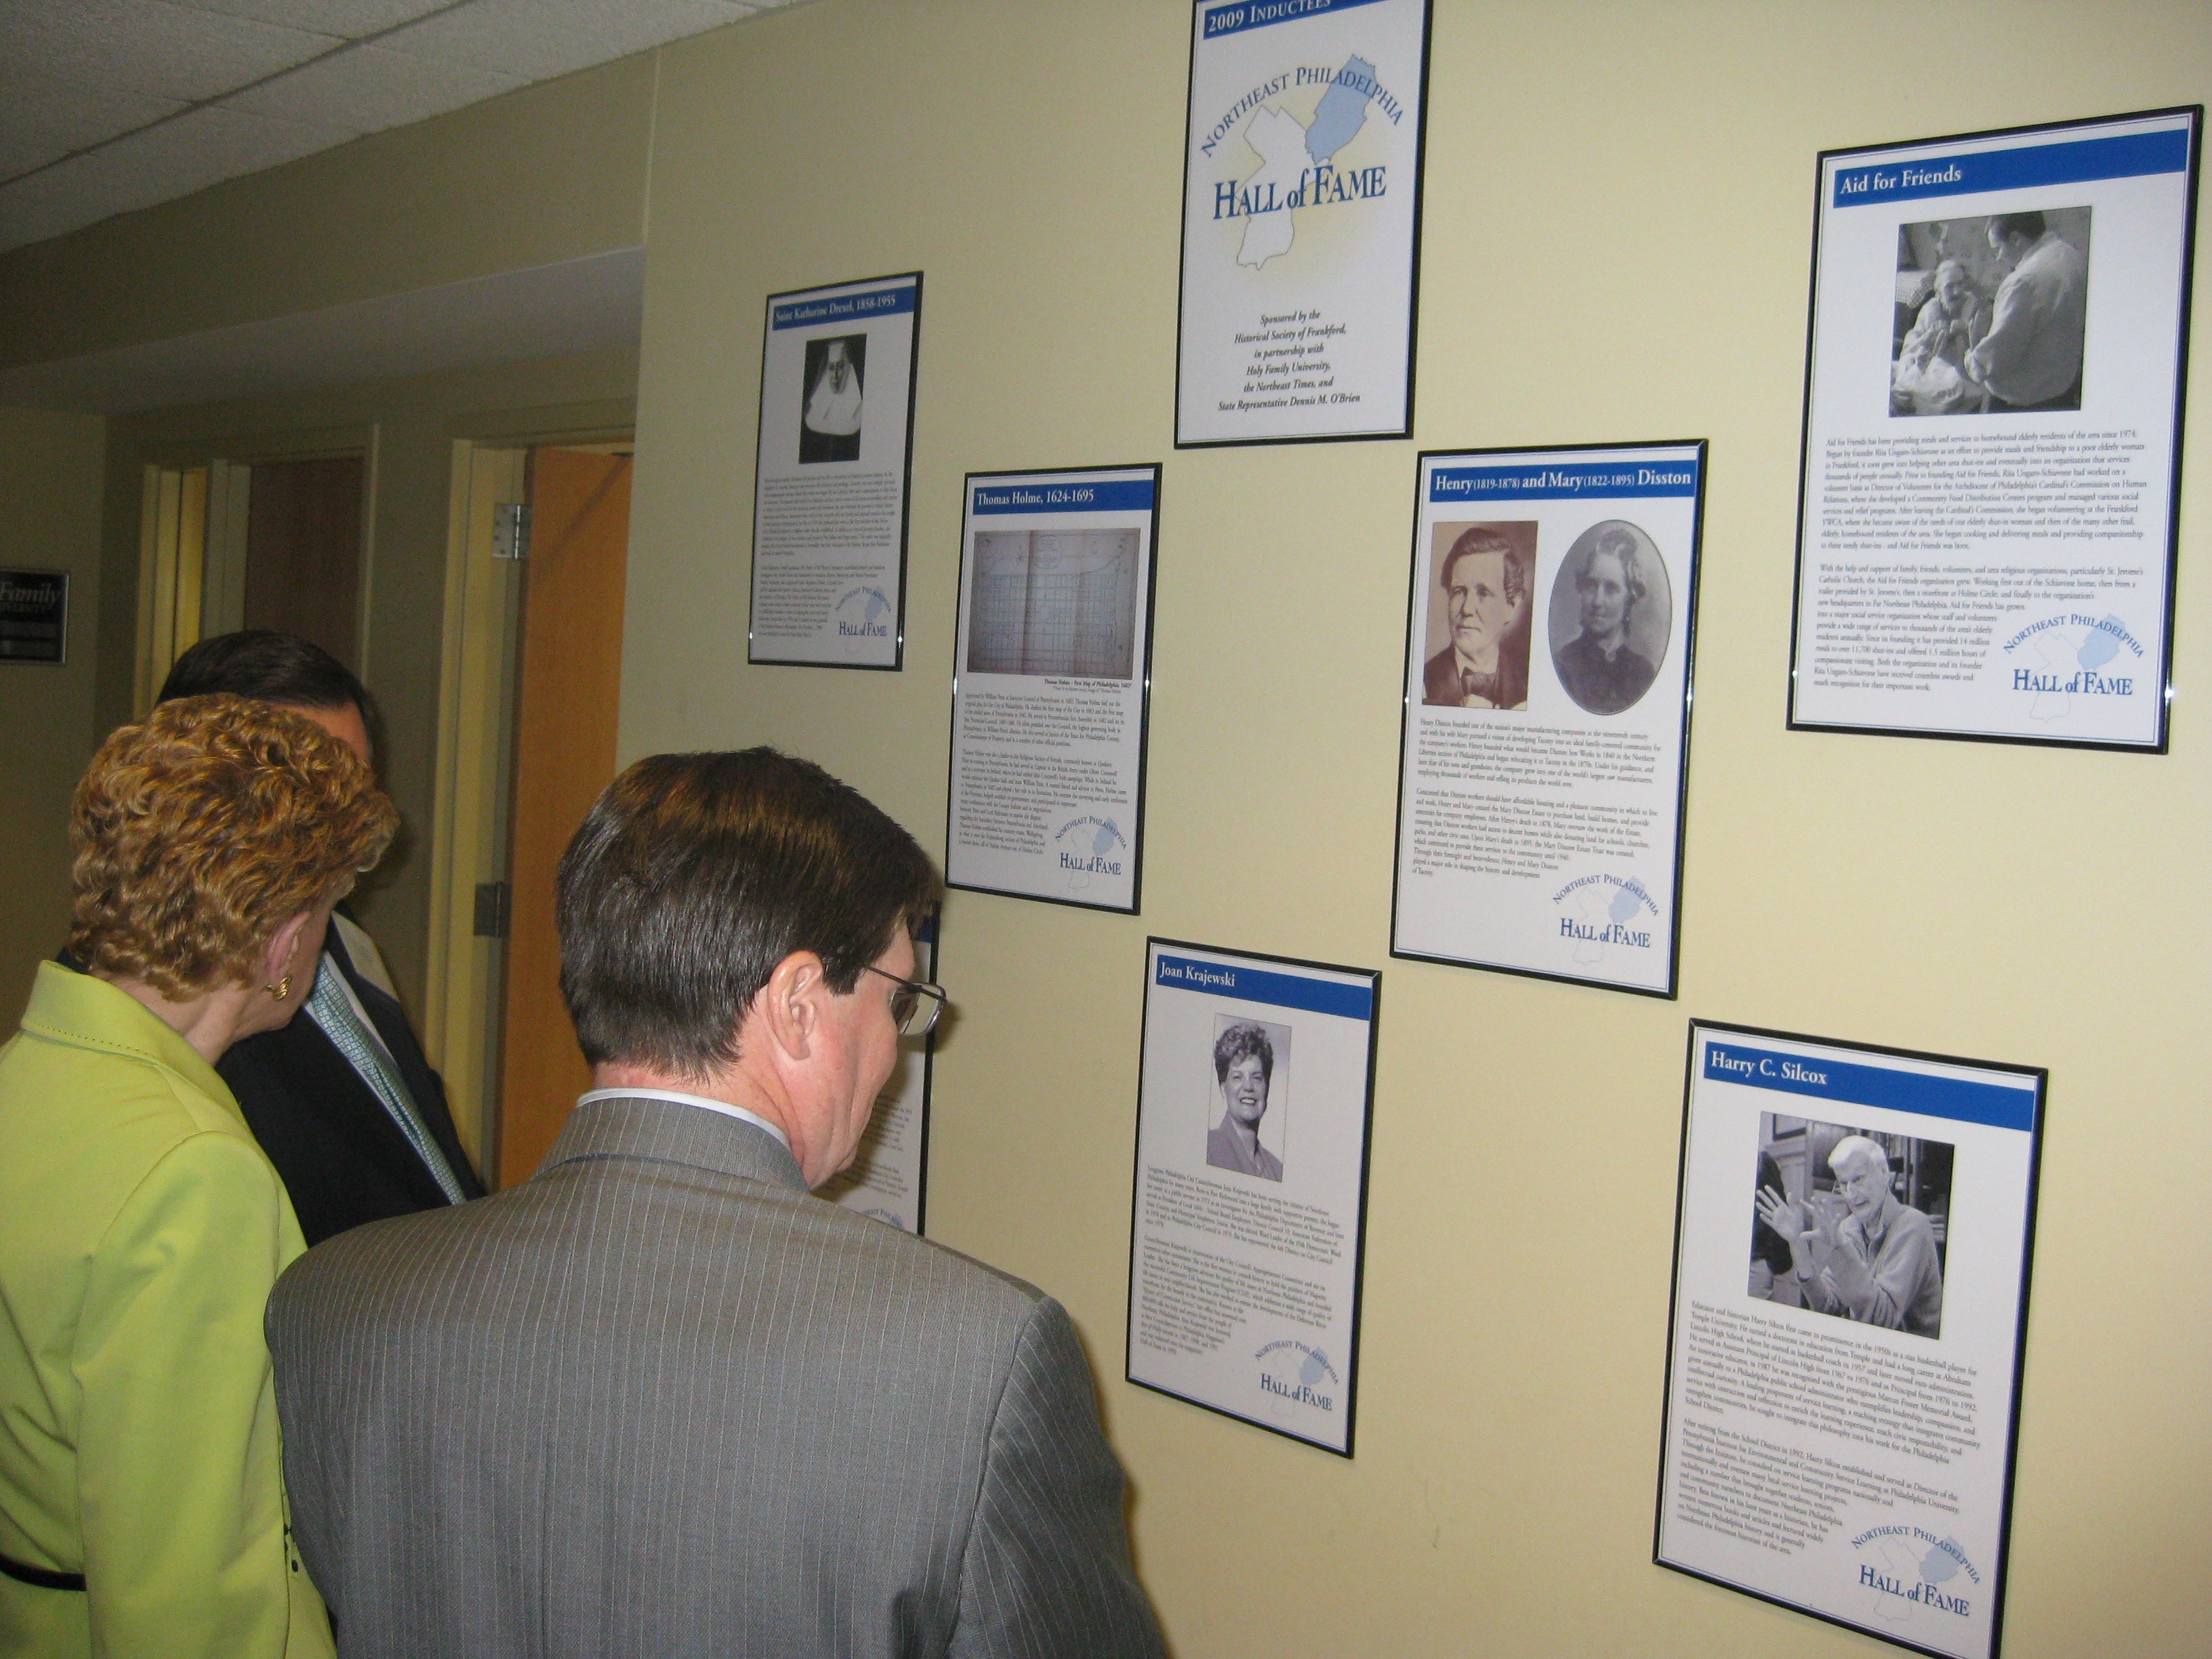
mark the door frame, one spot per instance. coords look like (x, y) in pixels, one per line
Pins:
(194, 499)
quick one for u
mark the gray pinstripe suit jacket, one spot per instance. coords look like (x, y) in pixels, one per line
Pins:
(660, 1400)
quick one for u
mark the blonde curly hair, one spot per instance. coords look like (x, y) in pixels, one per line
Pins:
(200, 830)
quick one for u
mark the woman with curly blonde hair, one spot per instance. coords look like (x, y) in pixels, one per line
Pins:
(141, 1510)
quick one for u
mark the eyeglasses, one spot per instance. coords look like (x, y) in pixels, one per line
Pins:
(915, 1006)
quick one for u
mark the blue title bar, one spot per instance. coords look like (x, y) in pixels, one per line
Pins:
(1066, 495)
(1996, 1104)
(846, 307)
(1259, 14)
(2124, 156)
(1322, 996)
(1587, 480)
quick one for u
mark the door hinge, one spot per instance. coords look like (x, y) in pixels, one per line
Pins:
(510, 531)
(494, 902)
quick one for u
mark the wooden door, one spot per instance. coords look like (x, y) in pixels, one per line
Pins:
(568, 685)
(303, 552)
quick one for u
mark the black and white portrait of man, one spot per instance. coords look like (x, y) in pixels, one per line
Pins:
(1480, 613)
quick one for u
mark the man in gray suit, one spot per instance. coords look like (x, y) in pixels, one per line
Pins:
(660, 1400)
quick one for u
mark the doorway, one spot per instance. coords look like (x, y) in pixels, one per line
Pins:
(303, 532)
(227, 544)
(536, 565)
(569, 692)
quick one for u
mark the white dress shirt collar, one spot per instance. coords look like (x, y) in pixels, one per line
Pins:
(722, 1106)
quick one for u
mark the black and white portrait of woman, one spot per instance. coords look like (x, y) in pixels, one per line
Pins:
(1248, 1055)
(1611, 613)
(830, 424)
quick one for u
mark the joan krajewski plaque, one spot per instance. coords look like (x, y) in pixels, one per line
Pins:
(1302, 192)
(1253, 1104)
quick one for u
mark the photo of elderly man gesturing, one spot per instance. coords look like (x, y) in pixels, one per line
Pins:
(1859, 1252)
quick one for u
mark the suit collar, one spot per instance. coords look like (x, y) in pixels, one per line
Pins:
(87, 1012)
(667, 1132)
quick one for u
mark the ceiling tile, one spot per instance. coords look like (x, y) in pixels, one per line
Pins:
(148, 46)
(42, 120)
(200, 148)
(536, 40)
(368, 89)
(350, 19)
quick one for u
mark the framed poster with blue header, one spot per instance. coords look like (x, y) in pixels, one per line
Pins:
(1853, 1236)
(1302, 221)
(1990, 486)
(1541, 786)
(830, 478)
(888, 1175)
(1051, 685)
(1254, 1093)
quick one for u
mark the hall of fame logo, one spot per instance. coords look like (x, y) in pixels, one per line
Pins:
(1605, 912)
(1296, 1378)
(1090, 846)
(2067, 659)
(863, 613)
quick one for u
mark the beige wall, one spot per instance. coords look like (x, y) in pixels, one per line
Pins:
(415, 422)
(553, 171)
(550, 173)
(1618, 209)
(49, 520)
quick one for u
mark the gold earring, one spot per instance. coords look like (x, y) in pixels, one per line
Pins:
(280, 990)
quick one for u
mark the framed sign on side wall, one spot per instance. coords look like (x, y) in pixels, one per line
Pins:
(1051, 685)
(1991, 478)
(34, 616)
(1255, 1091)
(1302, 221)
(830, 482)
(1853, 1236)
(1543, 767)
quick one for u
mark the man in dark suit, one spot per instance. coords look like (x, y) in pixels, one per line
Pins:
(660, 1399)
(343, 1100)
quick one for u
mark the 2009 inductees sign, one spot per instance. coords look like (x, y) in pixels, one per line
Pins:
(1302, 187)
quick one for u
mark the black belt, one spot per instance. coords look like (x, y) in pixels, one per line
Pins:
(39, 1577)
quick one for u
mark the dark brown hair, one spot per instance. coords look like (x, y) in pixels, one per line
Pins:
(1483, 539)
(200, 830)
(694, 875)
(1238, 1040)
(270, 667)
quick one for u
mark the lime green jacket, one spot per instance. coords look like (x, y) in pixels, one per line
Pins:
(141, 1229)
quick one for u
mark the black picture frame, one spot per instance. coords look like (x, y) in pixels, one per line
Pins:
(1144, 674)
(2195, 113)
(1999, 1572)
(897, 663)
(34, 610)
(1413, 252)
(1414, 614)
(1374, 976)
